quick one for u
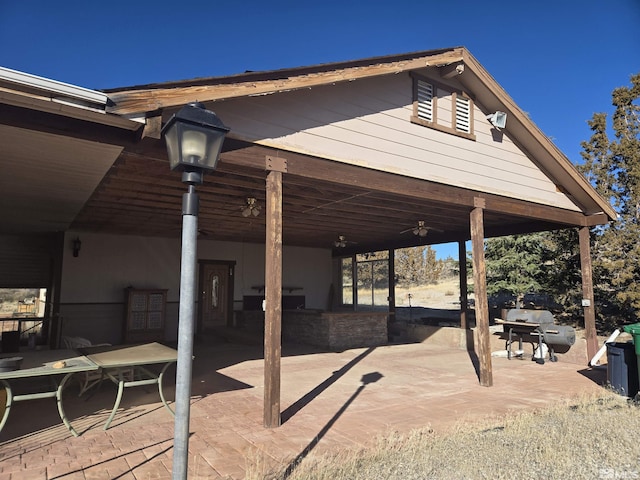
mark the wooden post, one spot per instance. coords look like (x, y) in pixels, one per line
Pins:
(587, 293)
(480, 292)
(392, 288)
(273, 299)
(462, 266)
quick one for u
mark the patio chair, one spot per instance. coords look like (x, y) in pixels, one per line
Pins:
(87, 379)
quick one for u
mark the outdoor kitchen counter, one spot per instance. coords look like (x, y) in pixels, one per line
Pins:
(335, 330)
(330, 330)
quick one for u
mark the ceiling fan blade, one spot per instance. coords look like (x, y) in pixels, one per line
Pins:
(420, 229)
(342, 242)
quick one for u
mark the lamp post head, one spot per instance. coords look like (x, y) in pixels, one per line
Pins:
(194, 138)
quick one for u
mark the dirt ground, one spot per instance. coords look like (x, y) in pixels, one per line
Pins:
(444, 294)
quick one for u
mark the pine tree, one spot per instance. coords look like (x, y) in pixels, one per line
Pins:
(613, 166)
(517, 264)
(418, 266)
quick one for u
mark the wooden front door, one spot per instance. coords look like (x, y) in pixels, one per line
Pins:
(216, 295)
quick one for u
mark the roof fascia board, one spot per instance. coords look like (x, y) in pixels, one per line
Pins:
(42, 104)
(154, 98)
(569, 171)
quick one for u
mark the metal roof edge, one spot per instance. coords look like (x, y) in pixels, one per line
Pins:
(53, 86)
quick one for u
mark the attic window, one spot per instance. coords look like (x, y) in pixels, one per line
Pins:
(463, 114)
(424, 94)
(442, 108)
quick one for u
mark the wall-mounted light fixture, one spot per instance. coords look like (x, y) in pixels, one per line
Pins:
(498, 119)
(76, 246)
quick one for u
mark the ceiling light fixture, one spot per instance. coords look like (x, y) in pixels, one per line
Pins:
(420, 229)
(341, 242)
(251, 208)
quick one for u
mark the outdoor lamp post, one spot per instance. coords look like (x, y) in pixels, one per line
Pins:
(194, 138)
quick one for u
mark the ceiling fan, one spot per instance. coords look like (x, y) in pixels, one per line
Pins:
(342, 242)
(420, 229)
(251, 208)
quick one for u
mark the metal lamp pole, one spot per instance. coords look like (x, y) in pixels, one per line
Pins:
(186, 331)
(194, 138)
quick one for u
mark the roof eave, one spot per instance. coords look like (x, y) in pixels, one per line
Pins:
(152, 98)
(136, 100)
(567, 176)
(53, 87)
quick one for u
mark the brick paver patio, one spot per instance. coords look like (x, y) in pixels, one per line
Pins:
(329, 401)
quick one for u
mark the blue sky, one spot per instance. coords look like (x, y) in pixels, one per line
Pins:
(559, 60)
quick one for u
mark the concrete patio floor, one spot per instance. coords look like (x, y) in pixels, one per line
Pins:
(329, 401)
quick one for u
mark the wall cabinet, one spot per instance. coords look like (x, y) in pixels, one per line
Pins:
(145, 315)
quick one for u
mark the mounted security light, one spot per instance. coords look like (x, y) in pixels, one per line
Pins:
(498, 119)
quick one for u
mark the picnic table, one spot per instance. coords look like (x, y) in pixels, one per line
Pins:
(125, 365)
(59, 366)
(43, 363)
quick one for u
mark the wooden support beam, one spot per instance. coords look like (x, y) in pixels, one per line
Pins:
(462, 266)
(452, 70)
(392, 285)
(483, 346)
(153, 126)
(587, 293)
(318, 169)
(273, 300)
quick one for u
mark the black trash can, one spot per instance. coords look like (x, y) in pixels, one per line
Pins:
(622, 368)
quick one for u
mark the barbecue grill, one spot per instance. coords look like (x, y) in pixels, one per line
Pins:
(539, 326)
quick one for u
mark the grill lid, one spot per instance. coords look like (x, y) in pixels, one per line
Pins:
(543, 317)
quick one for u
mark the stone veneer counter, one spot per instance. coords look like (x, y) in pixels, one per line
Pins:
(335, 330)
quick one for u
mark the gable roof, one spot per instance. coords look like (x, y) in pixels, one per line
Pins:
(146, 99)
(119, 181)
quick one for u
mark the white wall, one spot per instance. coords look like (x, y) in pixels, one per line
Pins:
(92, 298)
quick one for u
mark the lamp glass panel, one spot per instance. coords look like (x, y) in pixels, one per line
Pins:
(194, 146)
(173, 149)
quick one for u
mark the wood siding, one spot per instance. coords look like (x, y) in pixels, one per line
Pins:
(367, 123)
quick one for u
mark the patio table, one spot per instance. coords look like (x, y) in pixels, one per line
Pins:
(40, 364)
(117, 361)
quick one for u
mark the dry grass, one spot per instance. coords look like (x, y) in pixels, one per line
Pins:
(444, 294)
(588, 438)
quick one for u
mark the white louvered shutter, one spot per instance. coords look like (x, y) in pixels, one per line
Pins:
(463, 114)
(425, 101)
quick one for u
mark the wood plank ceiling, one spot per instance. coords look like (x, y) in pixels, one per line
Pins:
(321, 200)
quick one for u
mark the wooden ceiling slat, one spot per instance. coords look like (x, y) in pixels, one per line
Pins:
(321, 200)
